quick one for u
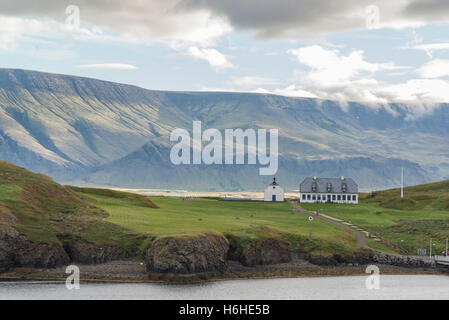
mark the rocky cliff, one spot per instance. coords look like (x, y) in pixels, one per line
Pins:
(188, 254)
(17, 251)
(263, 252)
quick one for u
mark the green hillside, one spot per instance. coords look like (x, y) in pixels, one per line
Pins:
(409, 223)
(46, 212)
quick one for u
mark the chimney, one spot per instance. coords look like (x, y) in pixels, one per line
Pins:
(342, 178)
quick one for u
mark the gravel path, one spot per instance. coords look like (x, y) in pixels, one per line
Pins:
(360, 238)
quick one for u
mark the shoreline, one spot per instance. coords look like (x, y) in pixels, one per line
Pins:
(133, 272)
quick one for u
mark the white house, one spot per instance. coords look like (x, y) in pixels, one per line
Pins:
(329, 190)
(274, 192)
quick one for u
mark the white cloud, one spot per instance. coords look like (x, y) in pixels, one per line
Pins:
(13, 30)
(108, 66)
(431, 46)
(330, 66)
(253, 81)
(137, 21)
(414, 91)
(215, 58)
(334, 76)
(294, 91)
(434, 69)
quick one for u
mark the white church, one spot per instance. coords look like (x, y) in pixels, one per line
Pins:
(274, 192)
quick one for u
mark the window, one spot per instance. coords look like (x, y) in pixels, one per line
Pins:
(344, 187)
(334, 197)
(329, 187)
(303, 197)
(338, 197)
(308, 197)
(354, 198)
(319, 197)
(314, 197)
(314, 187)
(344, 197)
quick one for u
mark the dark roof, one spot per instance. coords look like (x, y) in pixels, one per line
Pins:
(322, 183)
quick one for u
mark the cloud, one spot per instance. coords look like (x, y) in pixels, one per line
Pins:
(134, 20)
(253, 81)
(295, 19)
(437, 68)
(215, 58)
(427, 10)
(202, 22)
(331, 75)
(429, 48)
(294, 91)
(330, 66)
(108, 66)
(12, 30)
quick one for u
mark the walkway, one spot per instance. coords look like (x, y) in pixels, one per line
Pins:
(361, 239)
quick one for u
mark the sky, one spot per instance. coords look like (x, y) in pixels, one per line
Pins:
(375, 52)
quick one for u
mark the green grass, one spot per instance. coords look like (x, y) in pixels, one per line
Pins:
(408, 223)
(48, 212)
(177, 217)
(9, 192)
(44, 211)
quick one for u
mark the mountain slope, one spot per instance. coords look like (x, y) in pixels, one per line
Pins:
(150, 165)
(97, 132)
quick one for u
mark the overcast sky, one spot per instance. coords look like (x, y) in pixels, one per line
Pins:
(371, 51)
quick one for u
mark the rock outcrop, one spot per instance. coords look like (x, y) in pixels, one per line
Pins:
(357, 258)
(89, 253)
(264, 252)
(17, 251)
(188, 255)
(402, 261)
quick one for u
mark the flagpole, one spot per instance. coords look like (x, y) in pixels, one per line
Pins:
(402, 182)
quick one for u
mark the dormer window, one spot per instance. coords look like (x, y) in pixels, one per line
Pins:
(344, 187)
(314, 187)
(329, 187)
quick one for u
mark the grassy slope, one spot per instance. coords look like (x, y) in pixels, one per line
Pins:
(45, 211)
(422, 214)
(238, 220)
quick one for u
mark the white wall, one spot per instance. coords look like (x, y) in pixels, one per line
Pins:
(324, 198)
(274, 190)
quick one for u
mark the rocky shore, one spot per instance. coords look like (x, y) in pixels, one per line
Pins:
(135, 271)
(186, 259)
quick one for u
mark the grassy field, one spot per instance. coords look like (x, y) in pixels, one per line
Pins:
(242, 219)
(45, 211)
(408, 223)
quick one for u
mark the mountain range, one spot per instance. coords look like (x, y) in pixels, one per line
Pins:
(91, 132)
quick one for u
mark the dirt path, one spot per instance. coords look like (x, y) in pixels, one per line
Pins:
(360, 238)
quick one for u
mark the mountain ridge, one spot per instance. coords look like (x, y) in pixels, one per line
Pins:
(78, 128)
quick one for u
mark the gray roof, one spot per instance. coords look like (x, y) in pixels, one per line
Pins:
(322, 183)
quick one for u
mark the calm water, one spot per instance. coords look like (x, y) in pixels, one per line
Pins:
(391, 287)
